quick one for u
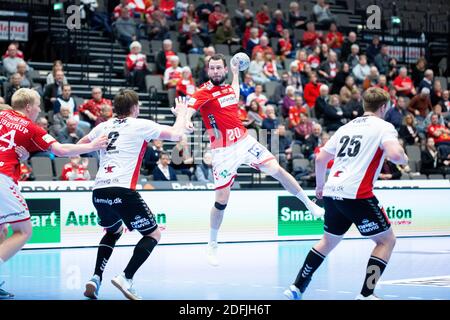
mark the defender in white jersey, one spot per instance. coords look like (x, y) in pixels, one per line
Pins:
(115, 196)
(358, 149)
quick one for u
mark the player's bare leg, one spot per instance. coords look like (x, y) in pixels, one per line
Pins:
(3, 233)
(216, 218)
(378, 260)
(274, 169)
(313, 260)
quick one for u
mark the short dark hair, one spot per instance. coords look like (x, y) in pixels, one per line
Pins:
(374, 98)
(219, 56)
(124, 102)
(163, 153)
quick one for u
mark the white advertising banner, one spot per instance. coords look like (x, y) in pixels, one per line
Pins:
(13, 30)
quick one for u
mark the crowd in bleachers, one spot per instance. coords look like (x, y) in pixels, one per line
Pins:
(305, 80)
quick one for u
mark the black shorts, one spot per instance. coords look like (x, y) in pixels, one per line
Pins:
(116, 204)
(368, 216)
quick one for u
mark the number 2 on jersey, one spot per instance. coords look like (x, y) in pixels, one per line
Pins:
(353, 149)
(113, 135)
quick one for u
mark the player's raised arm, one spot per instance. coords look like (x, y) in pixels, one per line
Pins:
(176, 132)
(68, 150)
(235, 83)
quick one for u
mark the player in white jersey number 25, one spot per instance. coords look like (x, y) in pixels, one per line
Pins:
(358, 149)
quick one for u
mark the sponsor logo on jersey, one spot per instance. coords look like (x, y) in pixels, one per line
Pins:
(109, 169)
(337, 173)
(224, 174)
(227, 100)
(368, 226)
(192, 101)
(2, 164)
(48, 138)
(215, 94)
(256, 150)
(109, 202)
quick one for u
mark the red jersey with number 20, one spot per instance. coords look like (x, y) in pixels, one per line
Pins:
(219, 109)
(18, 130)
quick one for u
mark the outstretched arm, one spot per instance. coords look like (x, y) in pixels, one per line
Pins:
(235, 82)
(176, 132)
(68, 150)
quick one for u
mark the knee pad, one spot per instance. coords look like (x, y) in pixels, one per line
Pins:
(219, 206)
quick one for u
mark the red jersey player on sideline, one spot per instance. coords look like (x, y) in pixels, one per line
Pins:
(231, 146)
(17, 128)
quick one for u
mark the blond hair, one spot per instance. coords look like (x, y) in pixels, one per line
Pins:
(23, 97)
(374, 99)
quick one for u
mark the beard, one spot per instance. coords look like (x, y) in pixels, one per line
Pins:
(219, 81)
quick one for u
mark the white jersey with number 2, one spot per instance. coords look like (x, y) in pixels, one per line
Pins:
(358, 157)
(120, 162)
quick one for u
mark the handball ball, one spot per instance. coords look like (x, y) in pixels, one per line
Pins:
(242, 59)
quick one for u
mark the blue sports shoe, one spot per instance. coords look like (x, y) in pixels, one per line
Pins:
(293, 293)
(92, 287)
(4, 294)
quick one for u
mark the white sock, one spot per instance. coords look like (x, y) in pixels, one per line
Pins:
(213, 235)
(301, 195)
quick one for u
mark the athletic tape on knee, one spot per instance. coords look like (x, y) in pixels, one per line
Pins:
(219, 206)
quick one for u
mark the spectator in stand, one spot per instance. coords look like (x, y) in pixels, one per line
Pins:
(312, 141)
(13, 86)
(151, 156)
(432, 161)
(373, 49)
(408, 131)
(252, 42)
(242, 111)
(372, 79)
(263, 16)
(333, 114)
(396, 114)
(168, 8)
(302, 59)
(322, 14)
(354, 108)
(89, 11)
(270, 123)
(304, 128)
(277, 25)
(226, 34)
(288, 101)
(334, 38)
(246, 87)
(216, 18)
(284, 152)
(186, 86)
(311, 92)
(389, 171)
(255, 115)
(118, 9)
(437, 110)
(438, 131)
(314, 58)
(25, 80)
(361, 70)
(418, 71)
(70, 133)
(324, 52)
(19, 53)
(353, 58)
(345, 94)
(203, 171)
(445, 102)
(189, 16)
(136, 66)
(164, 172)
(172, 75)
(162, 58)
(191, 41)
(341, 76)
(57, 66)
(65, 99)
(76, 170)
(382, 83)
(420, 105)
(258, 96)
(60, 119)
(382, 60)
(52, 91)
(270, 67)
(295, 111)
(322, 101)
(347, 45)
(393, 69)
(126, 29)
(262, 47)
(11, 60)
(239, 13)
(329, 68)
(295, 78)
(106, 113)
(427, 81)
(256, 69)
(246, 26)
(296, 19)
(90, 110)
(182, 160)
(311, 38)
(285, 46)
(436, 93)
(157, 26)
(204, 10)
